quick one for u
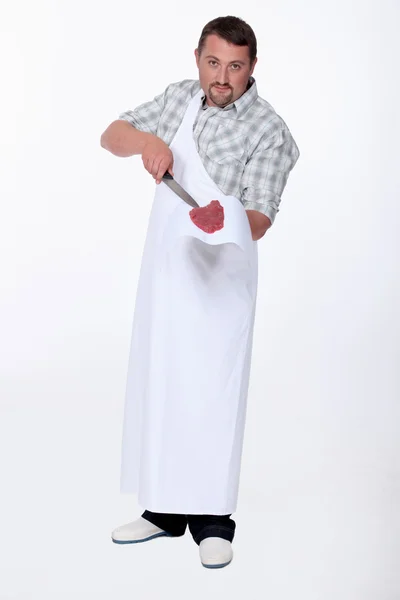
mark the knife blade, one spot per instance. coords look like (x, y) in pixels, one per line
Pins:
(178, 189)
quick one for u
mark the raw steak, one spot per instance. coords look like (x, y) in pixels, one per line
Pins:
(209, 218)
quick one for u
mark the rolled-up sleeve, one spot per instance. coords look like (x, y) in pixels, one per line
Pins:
(267, 171)
(146, 116)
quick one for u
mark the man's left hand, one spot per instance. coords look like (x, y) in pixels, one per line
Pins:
(259, 224)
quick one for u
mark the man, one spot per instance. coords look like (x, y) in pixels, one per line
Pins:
(192, 335)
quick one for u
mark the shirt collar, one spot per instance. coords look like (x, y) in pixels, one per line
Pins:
(242, 104)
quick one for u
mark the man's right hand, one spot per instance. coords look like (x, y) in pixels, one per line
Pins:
(157, 158)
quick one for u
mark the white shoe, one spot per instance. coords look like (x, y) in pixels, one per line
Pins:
(215, 552)
(140, 530)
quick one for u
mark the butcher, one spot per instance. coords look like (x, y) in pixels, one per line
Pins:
(190, 355)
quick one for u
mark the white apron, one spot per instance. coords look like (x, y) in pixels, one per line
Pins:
(191, 345)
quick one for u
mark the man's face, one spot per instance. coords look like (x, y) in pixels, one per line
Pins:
(224, 70)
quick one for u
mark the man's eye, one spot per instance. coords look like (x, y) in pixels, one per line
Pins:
(212, 62)
(238, 67)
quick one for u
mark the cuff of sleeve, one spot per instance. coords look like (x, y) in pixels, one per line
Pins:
(265, 209)
(134, 121)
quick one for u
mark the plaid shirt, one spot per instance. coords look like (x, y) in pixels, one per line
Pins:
(246, 147)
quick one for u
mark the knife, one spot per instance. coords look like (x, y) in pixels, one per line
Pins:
(178, 189)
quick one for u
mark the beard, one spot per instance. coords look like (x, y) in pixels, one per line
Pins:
(220, 98)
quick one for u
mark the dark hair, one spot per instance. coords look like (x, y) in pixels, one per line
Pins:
(233, 30)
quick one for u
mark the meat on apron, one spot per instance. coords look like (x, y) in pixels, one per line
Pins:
(190, 354)
(209, 218)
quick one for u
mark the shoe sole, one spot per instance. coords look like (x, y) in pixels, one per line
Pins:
(217, 566)
(151, 537)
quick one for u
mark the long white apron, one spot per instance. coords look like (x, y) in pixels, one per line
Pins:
(190, 354)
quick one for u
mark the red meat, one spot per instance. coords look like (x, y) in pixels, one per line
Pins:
(208, 218)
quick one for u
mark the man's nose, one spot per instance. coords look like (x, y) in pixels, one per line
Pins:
(223, 75)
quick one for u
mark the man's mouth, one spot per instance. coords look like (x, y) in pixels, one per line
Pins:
(222, 89)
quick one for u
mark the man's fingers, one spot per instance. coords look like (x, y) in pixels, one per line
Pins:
(162, 169)
(158, 166)
(148, 164)
(158, 171)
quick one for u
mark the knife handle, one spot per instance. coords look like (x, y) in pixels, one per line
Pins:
(167, 175)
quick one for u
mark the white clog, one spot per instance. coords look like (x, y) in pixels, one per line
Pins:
(137, 531)
(215, 552)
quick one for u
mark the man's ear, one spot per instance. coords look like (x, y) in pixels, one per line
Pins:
(196, 53)
(254, 64)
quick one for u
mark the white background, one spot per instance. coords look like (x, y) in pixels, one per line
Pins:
(318, 515)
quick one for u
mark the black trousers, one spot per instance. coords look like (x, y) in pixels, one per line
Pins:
(200, 526)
